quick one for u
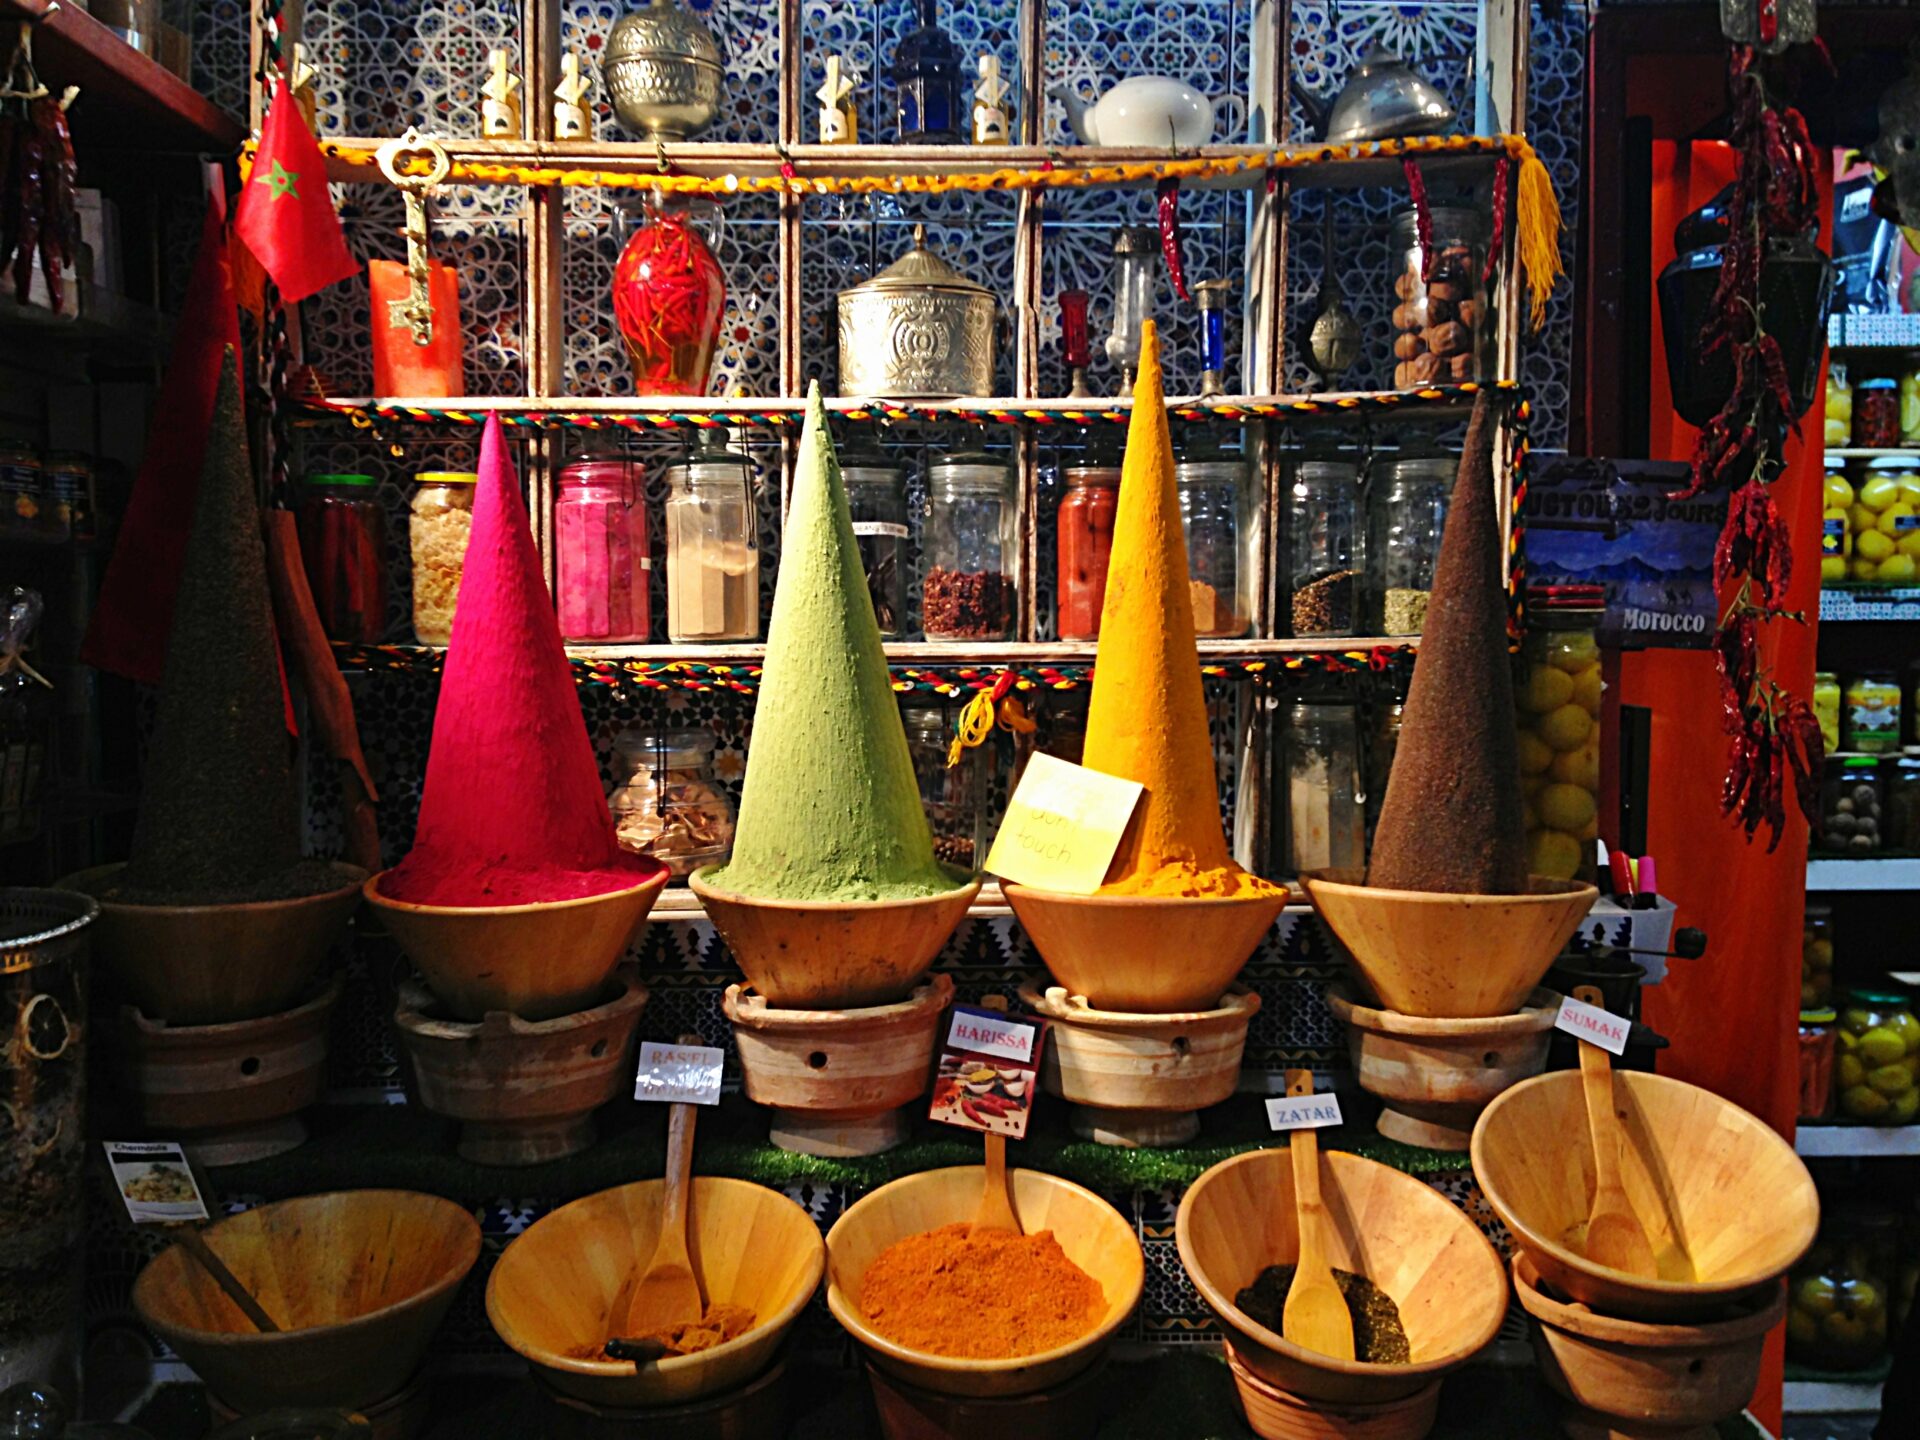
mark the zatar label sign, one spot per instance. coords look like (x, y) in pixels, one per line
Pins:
(989, 1069)
(154, 1180)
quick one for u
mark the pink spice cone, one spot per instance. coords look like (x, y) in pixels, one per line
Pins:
(513, 811)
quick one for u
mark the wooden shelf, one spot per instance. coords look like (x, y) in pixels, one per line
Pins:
(106, 322)
(1856, 452)
(1876, 602)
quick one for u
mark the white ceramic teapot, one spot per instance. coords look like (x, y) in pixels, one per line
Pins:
(1154, 111)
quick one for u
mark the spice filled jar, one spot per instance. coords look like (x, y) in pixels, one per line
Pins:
(1852, 806)
(668, 297)
(1826, 708)
(343, 548)
(1326, 546)
(1326, 797)
(1083, 529)
(954, 797)
(969, 546)
(1209, 491)
(1441, 329)
(1405, 516)
(713, 555)
(667, 805)
(1871, 713)
(877, 500)
(66, 485)
(1876, 413)
(1839, 1296)
(1816, 956)
(601, 563)
(1558, 697)
(20, 489)
(1876, 1067)
(439, 524)
(1816, 1051)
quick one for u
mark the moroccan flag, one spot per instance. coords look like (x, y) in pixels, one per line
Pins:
(285, 216)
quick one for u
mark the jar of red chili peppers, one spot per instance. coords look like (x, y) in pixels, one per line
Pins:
(1816, 1063)
(970, 550)
(1876, 413)
(601, 562)
(1084, 526)
(343, 546)
(668, 295)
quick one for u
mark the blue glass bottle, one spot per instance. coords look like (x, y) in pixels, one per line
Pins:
(926, 77)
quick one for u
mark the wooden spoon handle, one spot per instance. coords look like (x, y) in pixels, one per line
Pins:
(1304, 1145)
(195, 1244)
(1596, 1079)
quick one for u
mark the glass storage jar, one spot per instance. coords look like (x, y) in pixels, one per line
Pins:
(1838, 427)
(1903, 804)
(66, 482)
(439, 525)
(343, 549)
(669, 294)
(1209, 493)
(666, 803)
(1816, 956)
(877, 500)
(1876, 413)
(601, 564)
(1558, 697)
(713, 555)
(1405, 516)
(1326, 796)
(1839, 1295)
(1083, 530)
(1826, 708)
(1910, 400)
(1883, 528)
(1326, 547)
(1852, 806)
(1836, 524)
(1442, 330)
(20, 489)
(1871, 713)
(954, 797)
(1816, 1051)
(970, 550)
(1876, 1065)
(1383, 742)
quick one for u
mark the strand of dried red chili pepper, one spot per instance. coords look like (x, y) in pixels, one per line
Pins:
(1167, 205)
(1498, 243)
(1422, 217)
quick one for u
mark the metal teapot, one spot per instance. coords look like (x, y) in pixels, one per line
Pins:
(1381, 99)
(1152, 111)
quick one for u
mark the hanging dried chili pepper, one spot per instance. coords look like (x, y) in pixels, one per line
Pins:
(1167, 194)
(1422, 217)
(1498, 243)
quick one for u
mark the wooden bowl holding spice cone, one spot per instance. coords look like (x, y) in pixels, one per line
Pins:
(831, 954)
(538, 961)
(553, 1295)
(358, 1281)
(1452, 957)
(1393, 1229)
(216, 964)
(1145, 954)
(1092, 1233)
(1726, 1204)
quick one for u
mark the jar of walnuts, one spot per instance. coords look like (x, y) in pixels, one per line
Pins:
(1442, 333)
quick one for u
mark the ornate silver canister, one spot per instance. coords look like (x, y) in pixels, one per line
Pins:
(663, 71)
(917, 330)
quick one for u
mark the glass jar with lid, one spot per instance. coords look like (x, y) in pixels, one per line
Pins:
(1326, 546)
(1405, 516)
(602, 566)
(1871, 713)
(1876, 1067)
(1326, 796)
(1839, 1295)
(954, 797)
(970, 550)
(877, 499)
(1209, 491)
(1836, 524)
(343, 548)
(1838, 427)
(1852, 806)
(713, 552)
(21, 487)
(1084, 535)
(1383, 743)
(66, 486)
(1816, 1052)
(1876, 413)
(1903, 804)
(1442, 329)
(1816, 956)
(439, 524)
(666, 803)
(1826, 708)
(1558, 699)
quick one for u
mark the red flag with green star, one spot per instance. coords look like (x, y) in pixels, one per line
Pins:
(285, 215)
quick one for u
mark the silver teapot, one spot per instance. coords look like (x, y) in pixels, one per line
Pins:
(917, 330)
(1381, 99)
(663, 72)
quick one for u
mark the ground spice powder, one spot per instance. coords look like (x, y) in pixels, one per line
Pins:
(992, 1295)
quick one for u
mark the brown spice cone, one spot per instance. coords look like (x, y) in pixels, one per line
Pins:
(1452, 821)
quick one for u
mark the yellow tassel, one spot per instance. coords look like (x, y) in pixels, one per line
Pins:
(1539, 233)
(976, 724)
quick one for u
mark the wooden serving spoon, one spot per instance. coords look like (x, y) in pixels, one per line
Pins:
(1316, 1315)
(195, 1244)
(667, 1293)
(1615, 1236)
(995, 1211)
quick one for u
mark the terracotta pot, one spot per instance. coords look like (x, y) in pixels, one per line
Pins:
(1068, 1411)
(837, 1080)
(826, 955)
(756, 1409)
(1144, 954)
(1273, 1414)
(215, 964)
(399, 1417)
(1645, 1378)
(358, 1280)
(230, 1092)
(1726, 1204)
(1140, 1079)
(1454, 957)
(523, 1091)
(538, 962)
(1436, 1076)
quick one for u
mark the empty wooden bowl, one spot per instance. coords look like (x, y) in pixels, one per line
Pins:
(358, 1281)
(537, 961)
(1449, 957)
(553, 1294)
(1092, 1233)
(1726, 1203)
(1150, 954)
(1399, 1232)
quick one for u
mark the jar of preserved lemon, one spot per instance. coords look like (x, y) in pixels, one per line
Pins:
(1559, 722)
(1876, 1064)
(1826, 708)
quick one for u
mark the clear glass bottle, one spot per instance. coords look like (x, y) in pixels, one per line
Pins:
(877, 499)
(667, 804)
(1326, 795)
(1876, 1066)
(970, 550)
(1405, 516)
(954, 797)
(1136, 270)
(1210, 511)
(602, 566)
(343, 549)
(1083, 532)
(1558, 704)
(1326, 546)
(713, 554)
(1442, 329)
(439, 524)
(1852, 807)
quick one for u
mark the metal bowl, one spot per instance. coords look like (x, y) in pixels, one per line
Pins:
(663, 72)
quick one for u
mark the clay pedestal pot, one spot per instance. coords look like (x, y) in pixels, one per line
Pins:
(1144, 954)
(837, 1080)
(1726, 1204)
(538, 962)
(1140, 1079)
(756, 1409)
(1411, 1241)
(1273, 1414)
(358, 1280)
(832, 955)
(1436, 1076)
(1637, 1379)
(1449, 957)
(400, 1416)
(523, 1091)
(227, 1092)
(1091, 1232)
(1067, 1411)
(554, 1295)
(213, 964)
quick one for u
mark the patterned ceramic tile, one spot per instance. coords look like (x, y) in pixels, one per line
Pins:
(386, 64)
